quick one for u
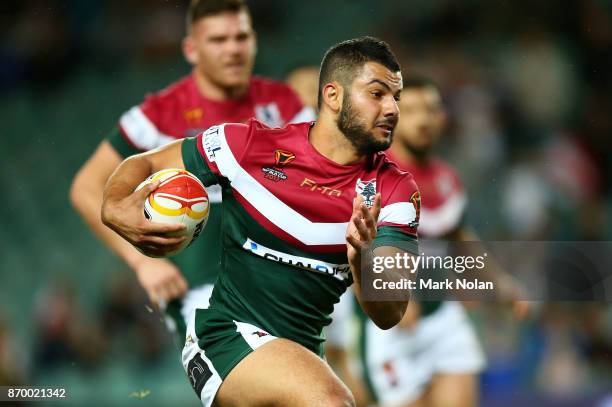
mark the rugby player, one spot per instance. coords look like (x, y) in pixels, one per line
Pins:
(302, 204)
(220, 44)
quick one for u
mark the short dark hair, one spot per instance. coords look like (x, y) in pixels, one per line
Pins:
(202, 8)
(344, 60)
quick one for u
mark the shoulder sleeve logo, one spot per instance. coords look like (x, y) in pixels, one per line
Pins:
(211, 142)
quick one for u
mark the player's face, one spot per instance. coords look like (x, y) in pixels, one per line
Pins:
(225, 48)
(370, 110)
(422, 119)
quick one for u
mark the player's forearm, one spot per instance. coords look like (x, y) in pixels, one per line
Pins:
(385, 314)
(122, 183)
(128, 175)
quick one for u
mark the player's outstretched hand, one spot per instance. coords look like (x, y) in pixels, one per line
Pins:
(126, 217)
(361, 229)
(161, 279)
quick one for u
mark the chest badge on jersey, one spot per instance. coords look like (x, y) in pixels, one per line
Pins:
(282, 157)
(276, 173)
(367, 189)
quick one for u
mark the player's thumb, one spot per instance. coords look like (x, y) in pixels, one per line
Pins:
(144, 192)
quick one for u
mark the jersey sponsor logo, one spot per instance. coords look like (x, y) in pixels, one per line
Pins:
(211, 142)
(281, 158)
(314, 186)
(415, 198)
(199, 373)
(269, 114)
(338, 271)
(367, 189)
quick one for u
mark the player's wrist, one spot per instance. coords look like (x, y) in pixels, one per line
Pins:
(136, 260)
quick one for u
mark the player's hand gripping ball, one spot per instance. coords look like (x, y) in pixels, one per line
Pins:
(179, 198)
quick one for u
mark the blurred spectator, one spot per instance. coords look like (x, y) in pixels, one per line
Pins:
(12, 360)
(129, 323)
(64, 335)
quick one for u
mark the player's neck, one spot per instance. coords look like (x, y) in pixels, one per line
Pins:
(405, 155)
(328, 140)
(212, 91)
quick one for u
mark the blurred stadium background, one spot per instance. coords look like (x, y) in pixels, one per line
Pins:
(529, 88)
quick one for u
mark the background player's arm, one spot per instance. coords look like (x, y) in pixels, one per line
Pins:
(86, 196)
(122, 206)
(159, 277)
(508, 288)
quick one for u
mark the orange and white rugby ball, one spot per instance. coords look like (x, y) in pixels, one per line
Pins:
(179, 198)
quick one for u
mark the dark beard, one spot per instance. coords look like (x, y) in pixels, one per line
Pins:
(353, 129)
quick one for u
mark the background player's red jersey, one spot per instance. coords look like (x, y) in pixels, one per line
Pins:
(443, 197)
(180, 111)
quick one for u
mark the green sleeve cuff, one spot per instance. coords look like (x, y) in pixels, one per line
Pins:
(395, 237)
(120, 144)
(195, 163)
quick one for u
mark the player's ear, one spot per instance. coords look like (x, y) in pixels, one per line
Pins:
(189, 50)
(332, 96)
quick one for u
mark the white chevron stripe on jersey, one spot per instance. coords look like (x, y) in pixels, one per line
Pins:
(401, 213)
(272, 208)
(442, 220)
(141, 131)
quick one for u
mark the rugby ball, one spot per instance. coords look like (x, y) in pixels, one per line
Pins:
(179, 198)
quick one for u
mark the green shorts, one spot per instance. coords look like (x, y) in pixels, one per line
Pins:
(179, 311)
(224, 342)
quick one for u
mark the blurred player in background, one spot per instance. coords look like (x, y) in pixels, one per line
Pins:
(437, 355)
(305, 81)
(221, 45)
(432, 357)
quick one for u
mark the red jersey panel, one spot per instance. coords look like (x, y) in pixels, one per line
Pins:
(299, 195)
(443, 197)
(180, 111)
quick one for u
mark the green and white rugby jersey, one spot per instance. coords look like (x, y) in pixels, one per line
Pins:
(286, 209)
